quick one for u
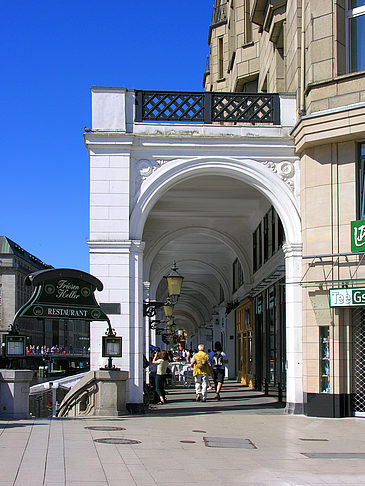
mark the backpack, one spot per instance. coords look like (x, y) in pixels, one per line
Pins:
(217, 359)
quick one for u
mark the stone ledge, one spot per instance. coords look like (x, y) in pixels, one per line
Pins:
(336, 125)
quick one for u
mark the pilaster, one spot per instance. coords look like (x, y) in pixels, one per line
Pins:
(294, 352)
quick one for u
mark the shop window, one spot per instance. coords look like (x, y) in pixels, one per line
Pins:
(361, 182)
(271, 334)
(355, 15)
(237, 275)
(324, 357)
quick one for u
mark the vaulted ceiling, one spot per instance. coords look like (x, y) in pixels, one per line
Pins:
(204, 223)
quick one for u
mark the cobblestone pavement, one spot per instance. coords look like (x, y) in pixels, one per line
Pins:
(245, 439)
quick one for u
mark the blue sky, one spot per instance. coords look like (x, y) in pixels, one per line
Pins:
(51, 53)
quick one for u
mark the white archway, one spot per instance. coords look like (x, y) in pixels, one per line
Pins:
(280, 195)
(248, 171)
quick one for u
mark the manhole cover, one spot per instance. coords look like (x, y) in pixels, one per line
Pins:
(231, 443)
(188, 441)
(116, 440)
(105, 428)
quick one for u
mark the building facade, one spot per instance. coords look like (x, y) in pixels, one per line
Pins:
(15, 265)
(315, 50)
(254, 202)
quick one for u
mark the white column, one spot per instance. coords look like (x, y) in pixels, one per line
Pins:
(122, 264)
(294, 337)
(136, 348)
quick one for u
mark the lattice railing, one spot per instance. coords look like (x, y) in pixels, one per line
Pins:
(207, 107)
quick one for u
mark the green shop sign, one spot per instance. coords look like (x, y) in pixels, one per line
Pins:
(347, 297)
(63, 294)
(357, 235)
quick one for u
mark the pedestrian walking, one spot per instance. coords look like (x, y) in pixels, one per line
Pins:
(201, 371)
(162, 362)
(218, 360)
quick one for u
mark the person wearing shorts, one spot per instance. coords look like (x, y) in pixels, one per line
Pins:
(218, 360)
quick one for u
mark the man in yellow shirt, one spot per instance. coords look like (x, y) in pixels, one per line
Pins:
(201, 370)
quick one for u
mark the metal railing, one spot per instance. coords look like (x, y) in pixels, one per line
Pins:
(207, 107)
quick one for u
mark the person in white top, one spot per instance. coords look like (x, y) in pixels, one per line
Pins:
(162, 361)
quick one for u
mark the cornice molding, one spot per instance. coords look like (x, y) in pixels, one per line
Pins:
(115, 246)
(335, 125)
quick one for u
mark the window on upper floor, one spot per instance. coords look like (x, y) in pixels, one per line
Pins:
(267, 239)
(361, 182)
(220, 57)
(248, 24)
(355, 31)
(237, 275)
(221, 294)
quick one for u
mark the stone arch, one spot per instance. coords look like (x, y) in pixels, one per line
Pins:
(248, 171)
(280, 195)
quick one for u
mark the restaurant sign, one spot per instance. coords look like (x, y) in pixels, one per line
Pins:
(63, 294)
(347, 297)
(357, 236)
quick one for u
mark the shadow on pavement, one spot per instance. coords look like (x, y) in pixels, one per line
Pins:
(235, 398)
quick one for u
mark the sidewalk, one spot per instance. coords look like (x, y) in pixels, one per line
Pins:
(207, 444)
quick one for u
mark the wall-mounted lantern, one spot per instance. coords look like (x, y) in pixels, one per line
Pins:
(174, 283)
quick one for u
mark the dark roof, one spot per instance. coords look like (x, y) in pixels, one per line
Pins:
(9, 247)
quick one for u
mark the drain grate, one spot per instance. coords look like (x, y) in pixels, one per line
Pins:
(104, 428)
(232, 443)
(116, 440)
(334, 455)
(200, 431)
(188, 441)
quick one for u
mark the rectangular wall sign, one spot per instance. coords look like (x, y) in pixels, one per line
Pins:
(347, 297)
(357, 235)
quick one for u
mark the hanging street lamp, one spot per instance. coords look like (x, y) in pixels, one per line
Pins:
(174, 283)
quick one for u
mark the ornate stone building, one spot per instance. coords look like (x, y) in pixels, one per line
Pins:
(252, 193)
(316, 51)
(16, 264)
